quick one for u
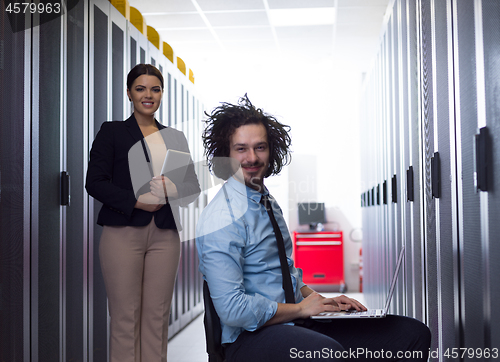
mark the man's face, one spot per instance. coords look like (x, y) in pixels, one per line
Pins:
(249, 146)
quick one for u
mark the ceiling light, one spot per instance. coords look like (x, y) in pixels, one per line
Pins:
(297, 17)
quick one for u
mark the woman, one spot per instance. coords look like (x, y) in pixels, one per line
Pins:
(140, 246)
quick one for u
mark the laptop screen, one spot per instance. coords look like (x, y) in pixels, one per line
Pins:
(394, 279)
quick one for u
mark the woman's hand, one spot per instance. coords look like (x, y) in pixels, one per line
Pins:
(149, 202)
(163, 188)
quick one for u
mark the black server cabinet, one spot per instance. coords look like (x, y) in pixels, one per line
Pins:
(60, 80)
(14, 176)
(75, 262)
(98, 110)
(431, 101)
(491, 48)
(46, 219)
(440, 239)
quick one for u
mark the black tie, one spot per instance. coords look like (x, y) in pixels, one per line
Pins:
(287, 279)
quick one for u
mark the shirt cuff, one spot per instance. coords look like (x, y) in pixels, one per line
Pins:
(300, 283)
(264, 313)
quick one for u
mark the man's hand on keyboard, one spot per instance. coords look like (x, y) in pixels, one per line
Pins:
(346, 303)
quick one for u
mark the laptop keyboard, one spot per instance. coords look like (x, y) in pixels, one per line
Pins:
(369, 312)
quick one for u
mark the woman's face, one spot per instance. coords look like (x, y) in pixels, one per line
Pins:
(145, 94)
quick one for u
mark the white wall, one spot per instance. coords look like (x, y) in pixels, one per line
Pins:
(320, 102)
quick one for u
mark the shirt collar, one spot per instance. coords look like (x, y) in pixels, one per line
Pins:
(246, 191)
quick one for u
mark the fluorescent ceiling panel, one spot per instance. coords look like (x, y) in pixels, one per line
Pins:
(225, 5)
(162, 6)
(289, 4)
(300, 17)
(257, 47)
(361, 15)
(174, 21)
(363, 3)
(188, 35)
(245, 33)
(305, 32)
(239, 18)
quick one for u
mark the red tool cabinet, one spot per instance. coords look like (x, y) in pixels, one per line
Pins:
(320, 255)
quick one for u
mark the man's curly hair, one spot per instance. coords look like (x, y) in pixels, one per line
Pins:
(223, 122)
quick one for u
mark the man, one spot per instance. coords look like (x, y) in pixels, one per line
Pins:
(239, 258)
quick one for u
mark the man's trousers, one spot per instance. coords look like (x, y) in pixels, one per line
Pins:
(394, 338)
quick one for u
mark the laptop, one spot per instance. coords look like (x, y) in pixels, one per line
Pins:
(370, 313)
(175, 165)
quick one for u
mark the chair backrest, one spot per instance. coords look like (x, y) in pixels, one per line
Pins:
(213, 330)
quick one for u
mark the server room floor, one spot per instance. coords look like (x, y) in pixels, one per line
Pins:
(189, 344)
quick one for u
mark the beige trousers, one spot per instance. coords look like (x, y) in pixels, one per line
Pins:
(139, 265)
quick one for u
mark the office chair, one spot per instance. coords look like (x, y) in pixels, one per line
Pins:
(213, 330)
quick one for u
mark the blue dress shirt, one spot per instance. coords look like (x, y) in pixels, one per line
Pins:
(239, 259)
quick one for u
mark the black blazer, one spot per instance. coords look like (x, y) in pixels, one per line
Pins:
(109, 181)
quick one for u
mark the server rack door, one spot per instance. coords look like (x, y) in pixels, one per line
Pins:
(197, 205)
(368, 111)
(178, 302)
(491, 34)
(378, 220)
(99, 48)
(76, 330)
(142, 42)
(142, 55)
(384, 150)
(385, 147)
(176, 110)
(133, 50)
(167, 116)
(118, 64)
(170, 114)
(470, 248)
(47, 214)
(155, 58)
(191, 210)
(443, 256)
(184, 211)
(133, 54)
(417, 224)
(154, 54)
(15, 153)
(398, 155)
(187, 220)
(185, 255)
(388, 149)
(160, 114)
(427, 104)
(405, 117)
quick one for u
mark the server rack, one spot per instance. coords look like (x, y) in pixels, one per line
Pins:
(490, 17)
(438, 143)
(61, 78)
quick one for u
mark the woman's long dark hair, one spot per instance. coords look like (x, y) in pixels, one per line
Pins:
(141, 69)
(223, 122)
